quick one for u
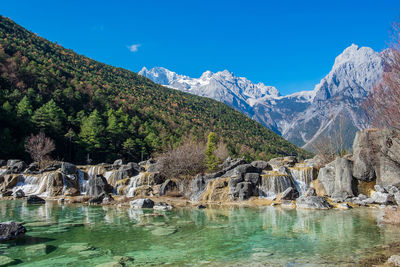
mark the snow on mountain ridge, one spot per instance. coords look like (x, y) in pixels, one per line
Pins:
(301, 117)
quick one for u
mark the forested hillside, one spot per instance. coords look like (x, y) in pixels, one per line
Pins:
(90, 107)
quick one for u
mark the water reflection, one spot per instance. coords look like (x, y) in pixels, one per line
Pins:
(271, 235)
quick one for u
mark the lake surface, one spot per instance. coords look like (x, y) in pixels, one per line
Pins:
(77, 235)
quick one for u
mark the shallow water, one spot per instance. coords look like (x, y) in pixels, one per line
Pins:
(90, 235)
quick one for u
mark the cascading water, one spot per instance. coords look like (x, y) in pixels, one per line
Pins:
(133, 185)
(33, 185)
(271, 185)
(302, 177)
(82, 182)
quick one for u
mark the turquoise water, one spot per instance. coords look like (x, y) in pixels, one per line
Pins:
(72, 235)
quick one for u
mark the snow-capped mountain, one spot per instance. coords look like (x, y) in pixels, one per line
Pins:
(302, 117)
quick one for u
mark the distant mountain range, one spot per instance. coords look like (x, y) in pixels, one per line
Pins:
(302, 117)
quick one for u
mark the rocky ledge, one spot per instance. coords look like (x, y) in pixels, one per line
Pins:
(371, 176)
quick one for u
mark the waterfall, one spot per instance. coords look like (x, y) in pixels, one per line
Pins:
(132, 185)
(302, 177)
(33, 185)
(82, 182)
(272, 185)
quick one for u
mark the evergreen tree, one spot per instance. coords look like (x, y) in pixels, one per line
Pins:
(211, 160)
(49, 117)
(92, 131)
(24, 108)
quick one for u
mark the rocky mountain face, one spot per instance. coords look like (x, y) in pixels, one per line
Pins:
(303, 117)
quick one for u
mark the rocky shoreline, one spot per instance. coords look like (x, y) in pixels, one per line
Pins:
(371, 176)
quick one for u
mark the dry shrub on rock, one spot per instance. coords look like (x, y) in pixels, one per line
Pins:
(187, 159)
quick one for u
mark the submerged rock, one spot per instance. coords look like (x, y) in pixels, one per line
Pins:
(162, 206)
(19, 194)
(37, 250)
(142, 203)
(312, 202)
(35, 200)
(11, 230)
(7, 261)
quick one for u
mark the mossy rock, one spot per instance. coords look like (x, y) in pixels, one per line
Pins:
(37, 250)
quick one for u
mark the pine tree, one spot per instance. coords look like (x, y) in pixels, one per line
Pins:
(92, 131)
(49, 117)
(211, 160)
(24, 108)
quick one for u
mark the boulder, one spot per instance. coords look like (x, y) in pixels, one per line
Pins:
(107, 199)
(70, 184)
(310, 192)
(117, 164)
(337, 178)
(383, 198)
(340, 196)
(55, 184)
(162, 206)
(142, 203)
(394, 260)
(11, 230)
(15, 166)
(10, 180)
(312, 202)
(242, 191)
(33, 168)
(241, 170)
(169, 186)
(19, 194)
(35, 200)
(126, 171)
(262, 165)
(230, 163)
(375, 155)
(98, 199)
(379, 189)
(253, 178)
(97, 186)
(201, 206)
(68, 168)
(344, 206)
(289, 194)
(276, 163)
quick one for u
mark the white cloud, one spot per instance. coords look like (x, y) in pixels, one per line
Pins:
(133, 48)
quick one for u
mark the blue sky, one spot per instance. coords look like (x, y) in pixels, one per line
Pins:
(288, 44)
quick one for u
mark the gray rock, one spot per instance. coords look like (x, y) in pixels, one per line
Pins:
(19, 194)
(97, 186)
(241, 170)
(344, 206)
(383, 198)
(230, 163)
(35, 200)
(340, 197)
(11, 230)
(253, 178)
(379, 189)
(117, 163)
(343, 176)
(126, 171)
(168, 186)
(201, 207)
(142, 203)
(162, 206)
(394, 259)
(336, 177)
(262, 165)
(375, 154)
(362, 197)
(312, 202)
(15, 166)
(310, 192)
(289, 194)
(242, 191)
(283, 161)
(68, 168)
(391, 189)
(33, 168)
